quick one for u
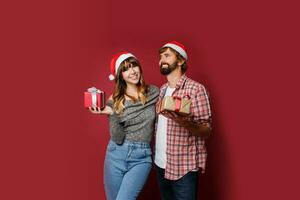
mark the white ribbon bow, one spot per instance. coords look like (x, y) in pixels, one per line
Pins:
(94, 92)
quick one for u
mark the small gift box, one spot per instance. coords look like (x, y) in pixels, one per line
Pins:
(94, 98)
(176, 104)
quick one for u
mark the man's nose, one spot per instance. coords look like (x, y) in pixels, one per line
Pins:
(160, 61)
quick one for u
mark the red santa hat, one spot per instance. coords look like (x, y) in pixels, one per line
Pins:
(116, 62)
(180, 48)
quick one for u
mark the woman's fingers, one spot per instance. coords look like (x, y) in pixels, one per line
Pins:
(96, 110)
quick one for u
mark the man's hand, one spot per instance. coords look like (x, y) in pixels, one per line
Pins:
(106, 111)
(180, 119)
(196, 129)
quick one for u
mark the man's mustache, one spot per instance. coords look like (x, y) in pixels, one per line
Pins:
(164, 64)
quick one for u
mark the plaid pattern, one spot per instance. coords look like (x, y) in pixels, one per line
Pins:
(184, 151)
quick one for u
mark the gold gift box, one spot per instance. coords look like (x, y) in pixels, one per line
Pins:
(183, 105)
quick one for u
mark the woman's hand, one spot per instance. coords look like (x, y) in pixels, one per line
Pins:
(106, 111)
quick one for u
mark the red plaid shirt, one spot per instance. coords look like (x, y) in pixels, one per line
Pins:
(184, 151)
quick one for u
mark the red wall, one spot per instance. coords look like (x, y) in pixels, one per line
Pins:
(244, 52)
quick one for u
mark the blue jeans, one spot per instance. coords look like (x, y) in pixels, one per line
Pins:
(126, 169)
(184, 188)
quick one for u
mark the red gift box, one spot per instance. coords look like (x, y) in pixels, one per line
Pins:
(94, 98)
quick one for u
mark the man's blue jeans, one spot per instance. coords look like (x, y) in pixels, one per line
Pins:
(126, 169)
(184, 188)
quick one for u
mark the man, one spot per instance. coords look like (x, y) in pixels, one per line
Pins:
(180, 151)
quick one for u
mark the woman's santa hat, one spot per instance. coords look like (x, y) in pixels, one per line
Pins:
(180, 48)
(116, 62)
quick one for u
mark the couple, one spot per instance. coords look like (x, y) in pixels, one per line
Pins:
(179, 141)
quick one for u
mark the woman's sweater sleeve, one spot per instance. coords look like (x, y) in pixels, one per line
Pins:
(115, 126)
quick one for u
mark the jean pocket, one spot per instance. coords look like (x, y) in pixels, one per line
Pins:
(111, 147)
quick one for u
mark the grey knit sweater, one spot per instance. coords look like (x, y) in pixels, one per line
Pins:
(136, 123)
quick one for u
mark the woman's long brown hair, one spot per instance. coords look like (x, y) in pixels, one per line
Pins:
(120, 87)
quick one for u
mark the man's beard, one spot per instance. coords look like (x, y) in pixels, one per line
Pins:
(169, 69)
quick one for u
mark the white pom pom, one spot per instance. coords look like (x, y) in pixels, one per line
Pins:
(111, 77)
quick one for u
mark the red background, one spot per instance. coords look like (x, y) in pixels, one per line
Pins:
(245, 52)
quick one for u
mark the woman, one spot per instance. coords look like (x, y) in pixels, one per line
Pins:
(131, 111)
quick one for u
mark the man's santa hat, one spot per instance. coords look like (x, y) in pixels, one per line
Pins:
(180, 48)
(116, 62)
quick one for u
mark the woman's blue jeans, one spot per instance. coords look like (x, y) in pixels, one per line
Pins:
(126, 169)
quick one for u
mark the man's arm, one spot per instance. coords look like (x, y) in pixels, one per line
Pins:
(197, 129)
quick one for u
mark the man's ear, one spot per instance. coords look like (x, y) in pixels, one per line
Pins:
(181, 62)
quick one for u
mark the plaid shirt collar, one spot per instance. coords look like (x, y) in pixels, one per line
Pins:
(179, 83)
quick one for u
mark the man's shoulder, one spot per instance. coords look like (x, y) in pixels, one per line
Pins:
(194, 85)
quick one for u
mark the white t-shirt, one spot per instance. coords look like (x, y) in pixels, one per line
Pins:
(161, 137)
